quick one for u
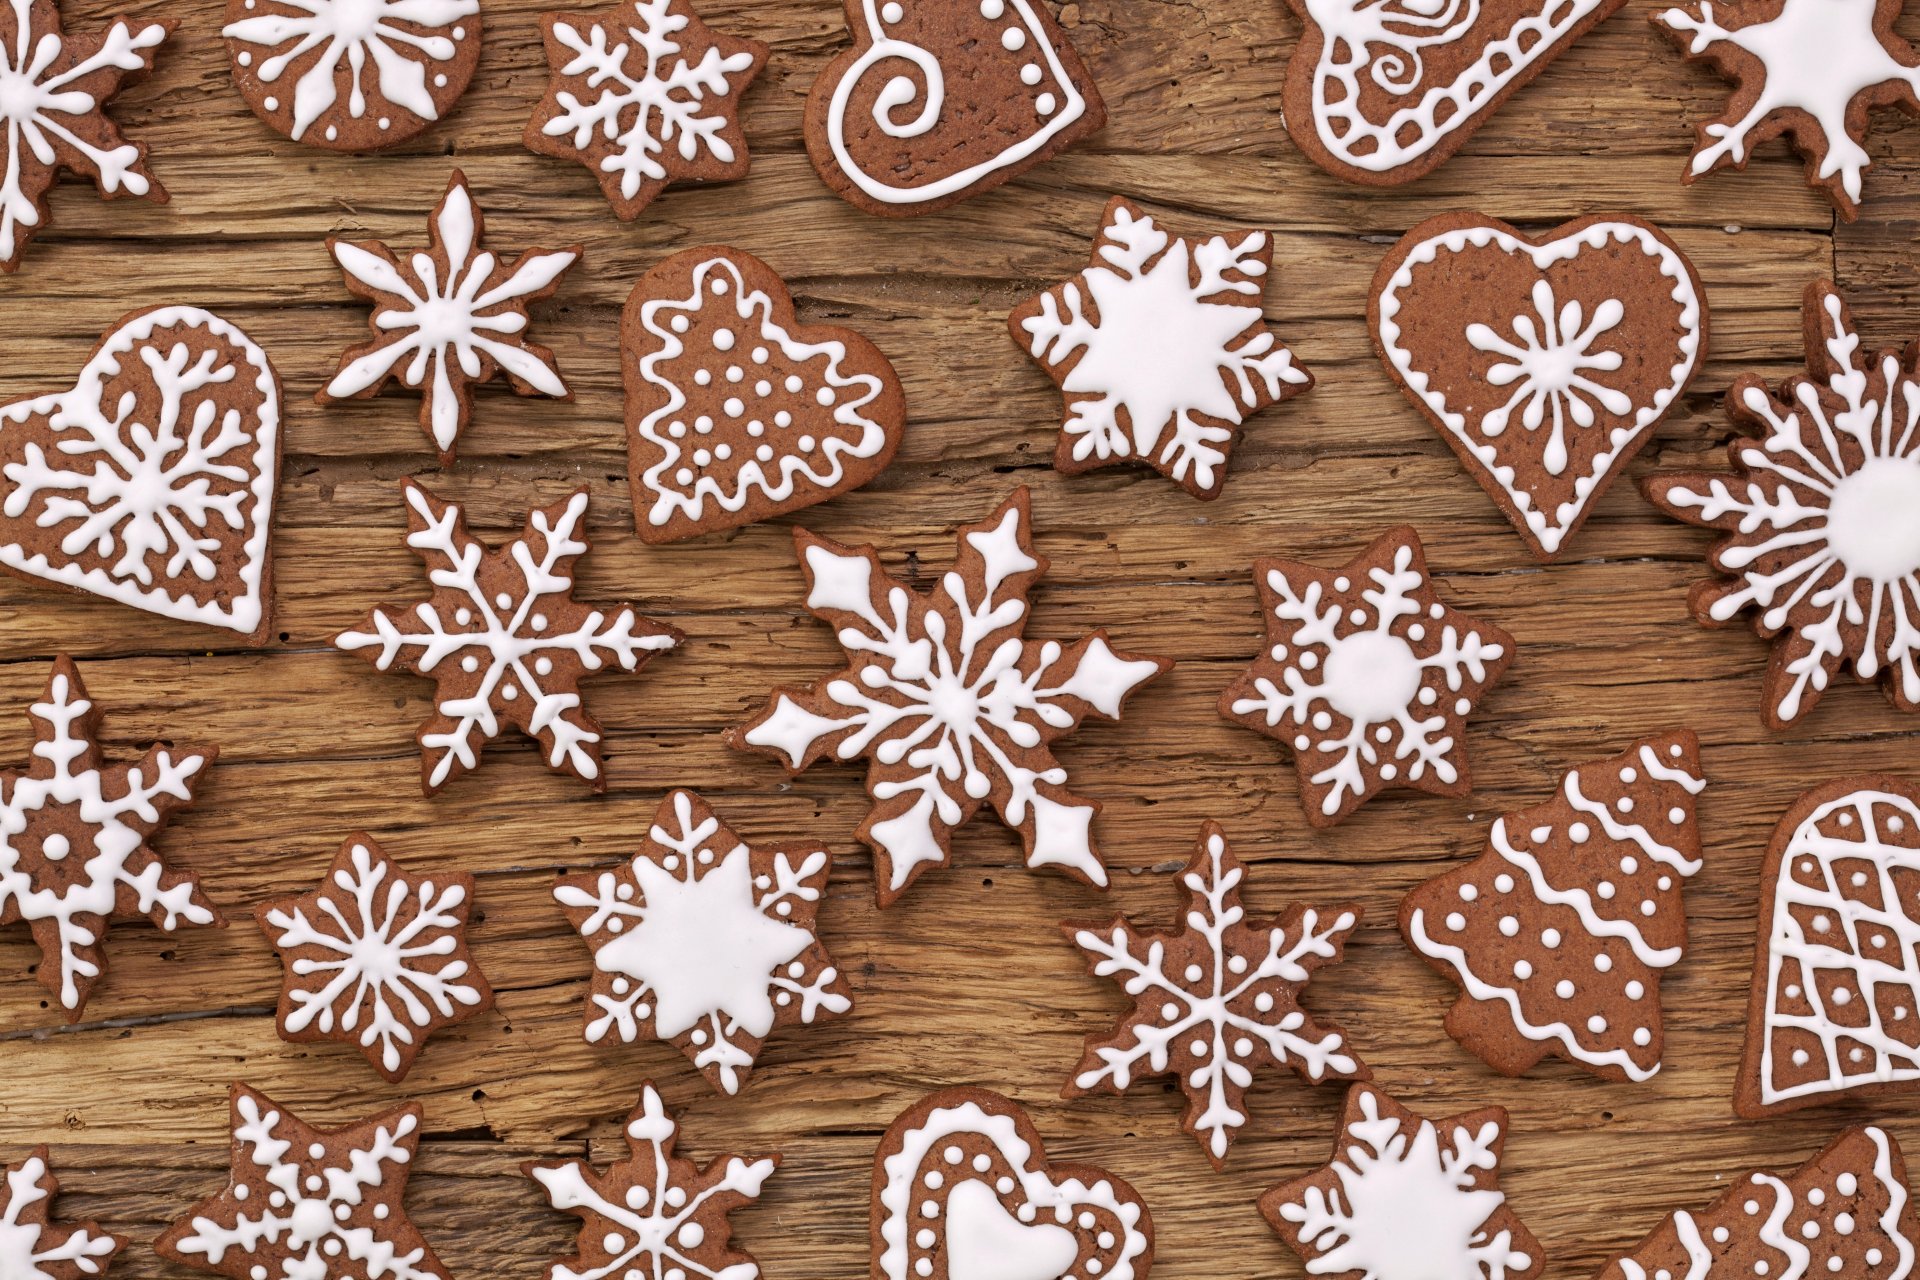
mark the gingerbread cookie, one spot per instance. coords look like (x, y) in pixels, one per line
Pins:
(962, 1188)
(1405, 1195)
(704, 942)
(645, 95)
(1559, 932)
(936, 103)
(151, 481)
(504, 640)
(309, 1202)
(654, 1213)
(1544, 362)
(1382, 94)
(1846, 1213)
(1159, 349)
(31, 1246)
(735, 410)
(950, 703)
(456, 312)
(54, 114)
(1834, 1008)
(1367, 676)
(1821, 517)
(375, 957)
(1810, 69)
(352, 75)
(1214, 999)
(74, 841)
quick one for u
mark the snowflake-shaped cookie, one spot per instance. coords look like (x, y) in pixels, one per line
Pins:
(1367, 676)
(74, 833)
(375, 957)
(31, 1246)
(1159, 349)
(1812, 69)
(645, 95)
(301, 1202)
(1821, 515)
(1215, 998)
(654, 1213)
(1404, 1196)
(54, 111)
(950, 702)
(456, 312)
(705, 942)
(504, 639)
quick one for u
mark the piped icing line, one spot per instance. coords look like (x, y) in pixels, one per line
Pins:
(1896, 1188)
(1664, 854)
(1582, 903)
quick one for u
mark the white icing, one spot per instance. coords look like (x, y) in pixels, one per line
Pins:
(148, 494)
(450, 320)
(1548, 369)
(376, 966)
(1167, 348)
(30, 1249)
(66, 778)
(895, 1197)
(820, 461)
(358, 32)
(985, 1242)
(1383, 42)
(42, 113)
(1816, 56)
(900, 92)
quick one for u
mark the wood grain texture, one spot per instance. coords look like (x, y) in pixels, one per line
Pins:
(967, 980)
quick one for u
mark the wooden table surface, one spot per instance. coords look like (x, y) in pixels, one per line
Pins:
(966, 981)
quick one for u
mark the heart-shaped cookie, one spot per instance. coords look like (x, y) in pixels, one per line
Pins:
(962, 1190)
(1544, 363)
(151, 481)
(736, 412)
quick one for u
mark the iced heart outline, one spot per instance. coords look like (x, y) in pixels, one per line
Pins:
(221, 474)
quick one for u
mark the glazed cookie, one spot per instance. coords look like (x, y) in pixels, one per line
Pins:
(962, 1189)
(1810, 69)
(75, 833)
(653, 1213)
(151, 481)
(1544, 362)
(352, 75)
(455, 314)
(936, 103)
(735, 410)
(1159, 349)
(645, 95)
(1820, 517)
(375, 957)
(299, 1198)
(704, 942)
(504, 640)
(1557, 935)
(1834, 1009)
(55, 114)
(963, 709)
(1382, 94)
(1845, 1213)
(1402, 1189)
(31, 1246)
(1215, 998)
(1367, 676)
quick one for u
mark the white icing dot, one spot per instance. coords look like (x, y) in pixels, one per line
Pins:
(1643, 1037)
(723, 339)
(1563, 989)
(891, 12)
(1030, 73)
(1456, 921)
(1676, 815)
(1635, 990)
(1579, 833)
(1550, 938)
(1509, 926)
(1603, 962)
(1503, 882)
(1596, 1024)
(1522, 970)
(1045, 104)
(271, 103)
(1468, 892)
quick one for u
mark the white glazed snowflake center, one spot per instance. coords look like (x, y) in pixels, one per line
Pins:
(356, 21)
(952, 703)
(311, 1220)
(1873, 521)
(1371, 677)
(20, 97)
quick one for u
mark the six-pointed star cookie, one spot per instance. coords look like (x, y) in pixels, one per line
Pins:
(302, 1201)
(31, 1246)
(949, 700)
(1366, 675)
(375, 957)
(1159, 349)
(1214, 998)
(448, 319)
(705, 942)
(53, 114)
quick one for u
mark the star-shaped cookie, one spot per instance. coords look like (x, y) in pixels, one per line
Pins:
(31, 1246)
